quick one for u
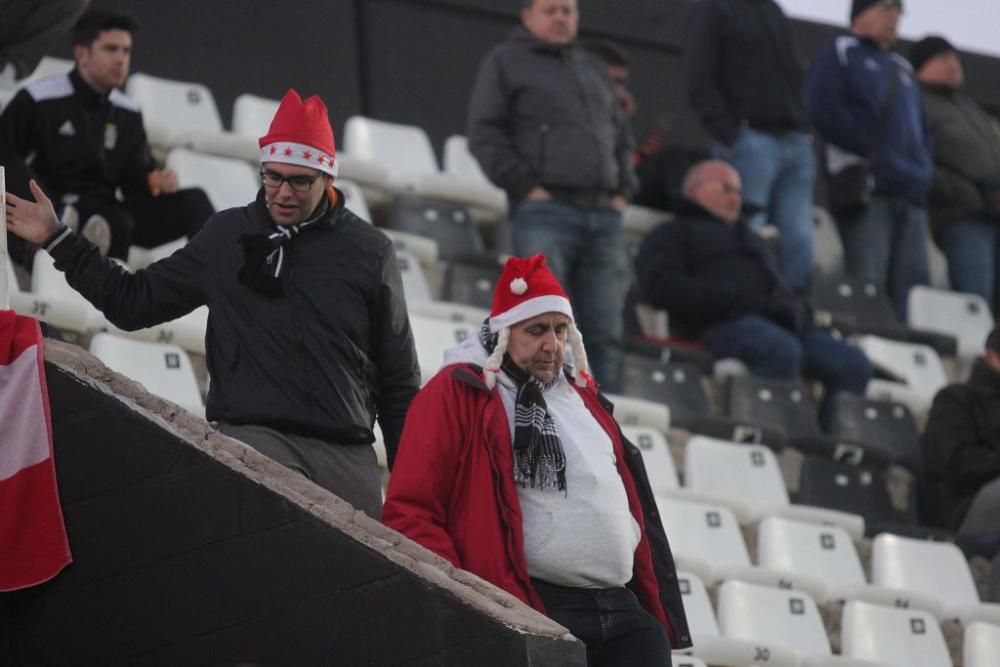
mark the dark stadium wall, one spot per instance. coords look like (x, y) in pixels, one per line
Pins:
(413, 61)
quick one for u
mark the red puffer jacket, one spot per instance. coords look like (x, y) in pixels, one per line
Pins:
(452, 490)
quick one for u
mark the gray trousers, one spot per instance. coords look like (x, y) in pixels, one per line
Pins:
(348, 471)
(983, 516)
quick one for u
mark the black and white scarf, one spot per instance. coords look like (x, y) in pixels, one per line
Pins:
(264, 254)
(539, 459)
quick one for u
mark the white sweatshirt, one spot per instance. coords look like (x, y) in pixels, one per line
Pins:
(585, 537)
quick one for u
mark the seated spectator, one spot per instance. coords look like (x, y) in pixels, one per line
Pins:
(721, 284)
(965, 197)
(960, 479)
(84, 141)
(865, 103)
(511, 466)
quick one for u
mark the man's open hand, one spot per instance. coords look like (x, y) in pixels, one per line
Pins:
(33, 221)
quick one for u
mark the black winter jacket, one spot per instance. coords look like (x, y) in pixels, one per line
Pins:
(547, 115)
(966, 155)
(77, 140)
(321, 360)
(703, 271)
(960, 446)
(742, 70)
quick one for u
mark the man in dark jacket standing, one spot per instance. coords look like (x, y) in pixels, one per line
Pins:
(965, 198)
(545, 125)
(960, 485)
(866, 103)
(744, 81)
(720, 283)
(308, 337)
(511, 466)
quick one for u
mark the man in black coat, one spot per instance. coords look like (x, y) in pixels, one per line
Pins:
(720, 283)
(960, 485)
(308, 337)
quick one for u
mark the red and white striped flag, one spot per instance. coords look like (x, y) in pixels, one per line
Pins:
(33, 544)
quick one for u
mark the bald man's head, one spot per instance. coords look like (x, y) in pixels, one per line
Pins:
(715, 186)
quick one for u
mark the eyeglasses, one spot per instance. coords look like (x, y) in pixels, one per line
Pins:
(298, 183)
(729, 188)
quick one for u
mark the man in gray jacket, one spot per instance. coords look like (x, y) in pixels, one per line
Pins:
(965, 196)
(546, 127)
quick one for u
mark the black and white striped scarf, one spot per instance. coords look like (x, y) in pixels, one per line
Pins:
(264, 254)
(539, 459)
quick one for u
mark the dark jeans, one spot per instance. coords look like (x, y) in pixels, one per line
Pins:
(887, 245)
(776, 353)
(586, 252)
(610, 622)
(973, 250)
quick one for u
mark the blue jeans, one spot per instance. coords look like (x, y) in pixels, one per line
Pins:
(617, 631)
(973, 251)
(887, 245)
(776, 353)
(778, 171)
(586, 252)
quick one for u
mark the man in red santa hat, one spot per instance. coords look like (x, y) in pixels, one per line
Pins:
(308, 338)
(511, 466)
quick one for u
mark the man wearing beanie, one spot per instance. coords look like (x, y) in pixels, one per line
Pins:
(308, 338)
(512, 467)
(965, 197)
(865, 102)
(960, 478)
(745, 83)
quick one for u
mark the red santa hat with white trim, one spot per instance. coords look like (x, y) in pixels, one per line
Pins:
(528, 288)
(301, 134)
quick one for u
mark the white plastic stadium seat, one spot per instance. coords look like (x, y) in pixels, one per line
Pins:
(52, 299)
(47, 66)
(252, 115)
(681, 660)
(967, 317)
(354, 198)
(981, 645)
(415, 286)
(177, 113)
(433, 337)
(656, 457)
(918, 368)
(407, 157)
(705, 538)
(747, 479)
(894, 637)
(163, 369)
(461, 165)
(825, 554)
(631, 411)
(425, 249)
(448, 311)
(228, 182)
(936, 571)
(187, 331)
(776, 618)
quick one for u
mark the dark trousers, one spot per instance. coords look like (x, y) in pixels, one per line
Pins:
(617, 631)
(145, 220)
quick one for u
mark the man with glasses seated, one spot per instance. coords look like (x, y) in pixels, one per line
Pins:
(308, 338)
(721, 283)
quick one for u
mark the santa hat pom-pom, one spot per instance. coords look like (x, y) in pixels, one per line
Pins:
(518, 286)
